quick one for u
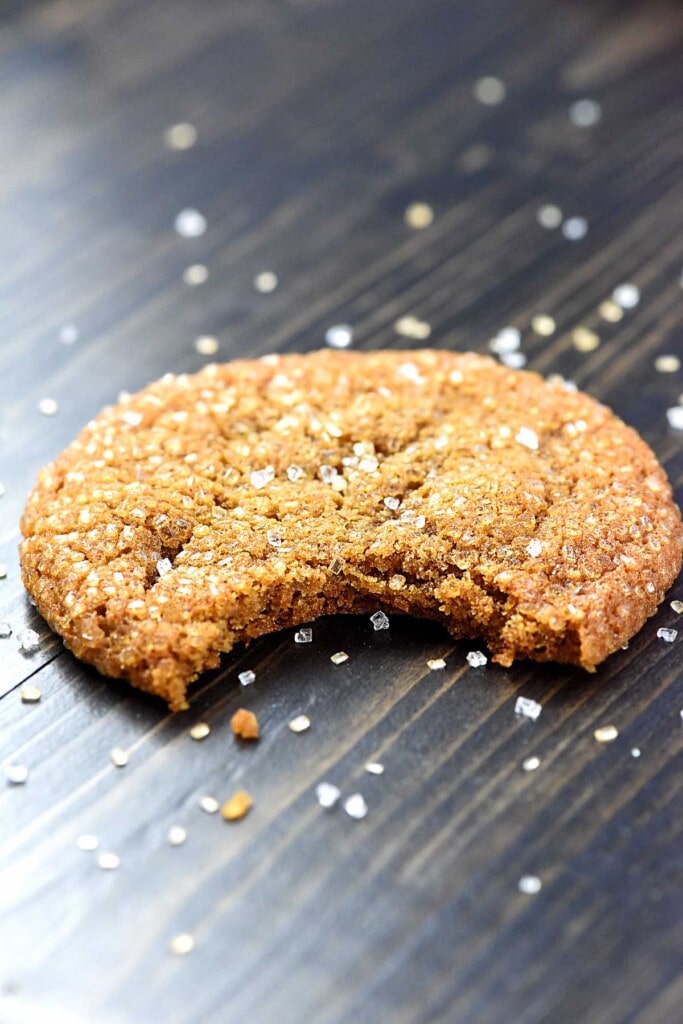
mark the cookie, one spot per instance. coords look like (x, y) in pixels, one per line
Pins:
(210, 509)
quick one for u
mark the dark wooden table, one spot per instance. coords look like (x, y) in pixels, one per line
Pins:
(318, 123)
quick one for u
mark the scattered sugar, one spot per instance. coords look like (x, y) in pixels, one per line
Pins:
(303, 636)
(435, 664)
(606, 733)
(339, 658)
(379, 621)
(529, 885)
(301, 723)
(527, 437)
(534, 548)
(246, 678)
(476, 659)
(669, 635)
(327, 794)
(527, 708)
(355, 806)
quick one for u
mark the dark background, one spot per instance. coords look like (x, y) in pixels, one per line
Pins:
(318, 122)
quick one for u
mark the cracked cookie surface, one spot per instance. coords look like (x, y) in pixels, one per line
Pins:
(210, 509)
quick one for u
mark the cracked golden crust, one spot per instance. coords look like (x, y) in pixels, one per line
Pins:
(155, 541)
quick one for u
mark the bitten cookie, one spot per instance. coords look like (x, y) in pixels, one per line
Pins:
(211, 509)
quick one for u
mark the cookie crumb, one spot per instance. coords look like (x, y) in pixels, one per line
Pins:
(237, 806)
(244, 724)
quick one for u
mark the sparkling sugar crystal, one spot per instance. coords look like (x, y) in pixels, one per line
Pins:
(109, 861)
(585, 113)
(265, 282)
(676, 606)
(300, 724)
(675, 417)
(164, 566)
(339, 336)
(200, 730)
(530, 764)
(435, 664)
(190, 223)
(476, 659)
(339, 658)
(206, 345)
(355, 806)
(392, 503)
(327, 794)
(418, 216)
(529, 885)
(575, 228)
(176, 835)
(208, 804)
(379, 621)
(262, 477)
(29, 640)
(246, 678)
(195, 274)
(180, 136)
(527, 437)
(669, 635)
(5, 630)
(626, 295)
(527, 708)
(534, 548)
(507, 340)
(374, 768)
(513, 360)
(489, 90)
(303, 636)
(87, 842)
(549, 216)
(181, 944)
(16, 774)
(294, 473)
(606, 733)
(30, 694)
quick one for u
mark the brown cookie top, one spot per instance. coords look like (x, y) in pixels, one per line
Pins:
(210, 509)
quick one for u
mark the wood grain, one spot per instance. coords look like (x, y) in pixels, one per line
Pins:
(318, 122)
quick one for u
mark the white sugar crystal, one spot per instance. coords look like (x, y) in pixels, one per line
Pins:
(29, 640)
(476, 659)
(626, 295)
(676, 606)
(16, 774)
(301, 723)
(265, 282)
(435, 664)
(262, 477)
(527, 708)
(585, 113)
(392, 503)
(247, 678)
(379, 621)
(164, 566)
(527, 437)
(355, 806)
(275, 538)
(208, 804)
(339, 658)
(303, 636)
(68, 334)
(507, 340)
(339, 336)
(327, 794)
(513, 360)
(531, 764)
(675, 417)
(635, 752)
(489, 90)
(374, 768)
(327, 474)
(294, 473)
(109, 861)
(534, 548)
(669, 635)
(5, 630)
(575, 228)
(87, 842)
(549, 216)
(48, 407)
(131, 417)
(176, 835)
(529, 885)
(190, 223)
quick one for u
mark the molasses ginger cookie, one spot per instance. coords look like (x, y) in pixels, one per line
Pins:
(210, 509)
